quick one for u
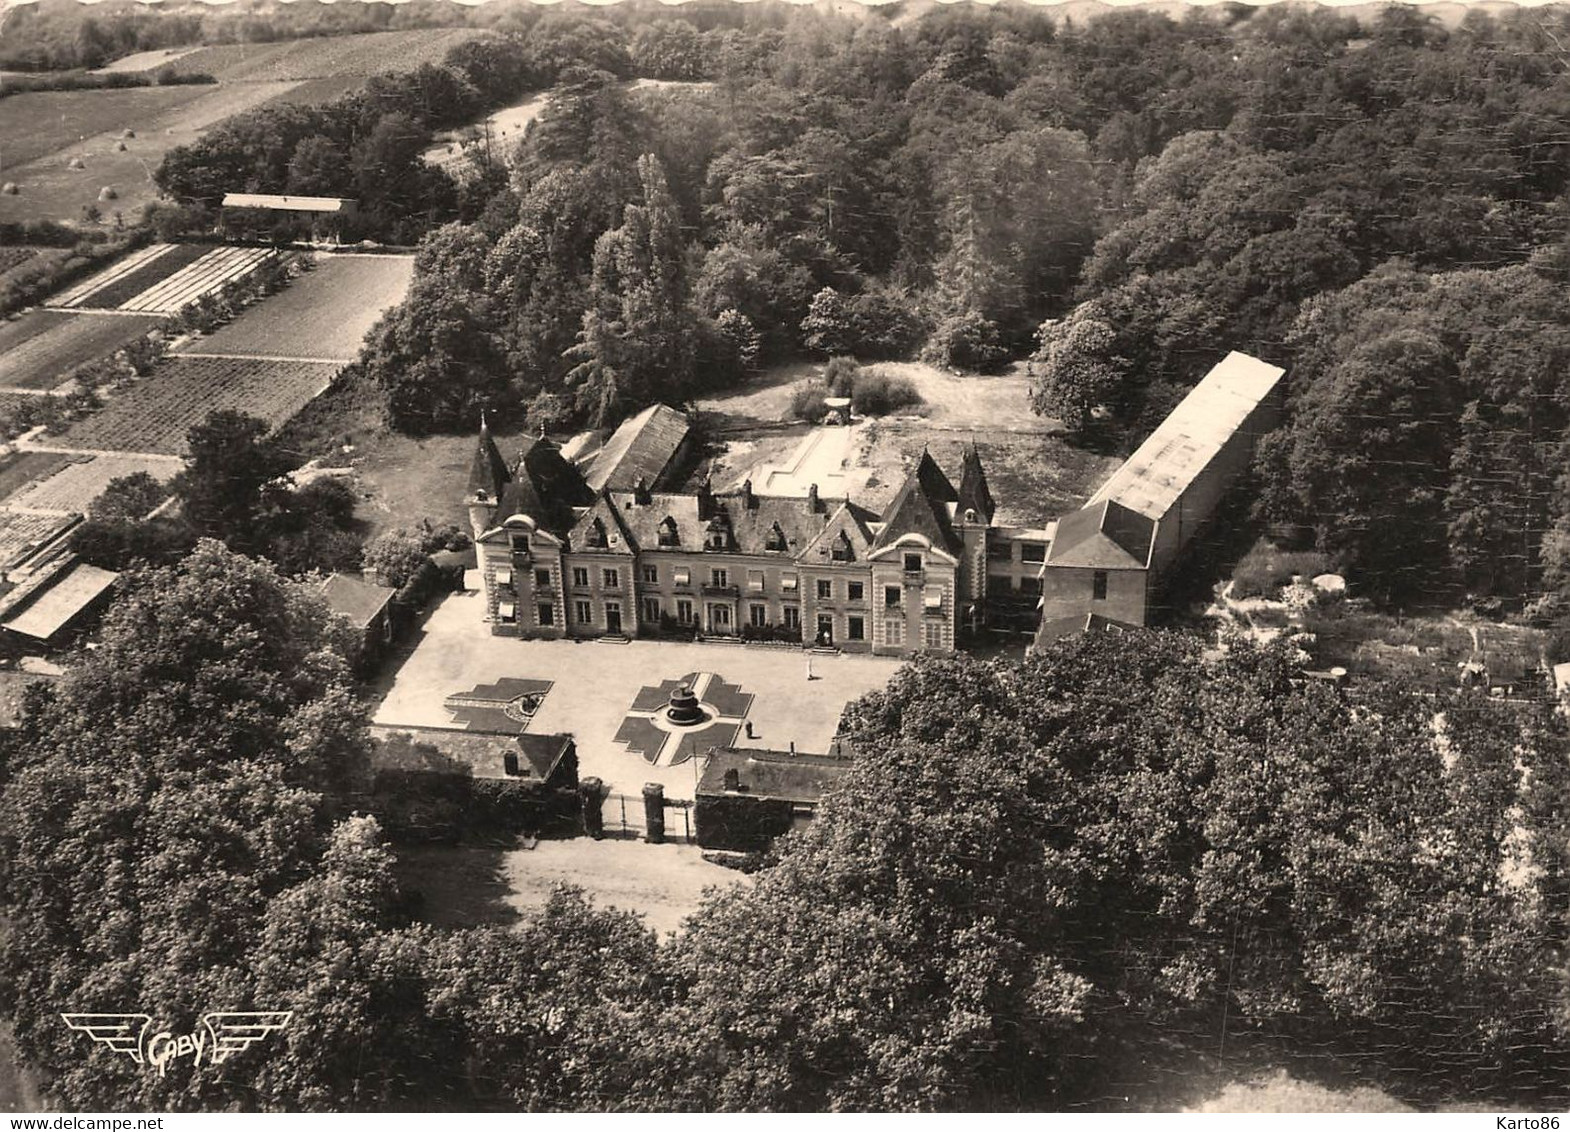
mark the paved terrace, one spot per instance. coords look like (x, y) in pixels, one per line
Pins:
(594, 684)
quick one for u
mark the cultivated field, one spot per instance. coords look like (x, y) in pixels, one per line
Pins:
(40, 123)
(43, 358)
(73, 482)
(144, 60)
(154, 414)
(203, 276)
(46, 131)
(15, 331)
(325, 57)
(324, 314)
(129, 276)
(20, 469)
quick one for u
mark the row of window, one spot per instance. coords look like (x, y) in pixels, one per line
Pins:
(719, 577)
(719, 619)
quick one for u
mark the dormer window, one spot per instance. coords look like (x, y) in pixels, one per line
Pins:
(841, 551)
(668, 536)
(597, 534)
(776, 539)
(716, 540)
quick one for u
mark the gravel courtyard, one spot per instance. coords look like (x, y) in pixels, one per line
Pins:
(595, 683)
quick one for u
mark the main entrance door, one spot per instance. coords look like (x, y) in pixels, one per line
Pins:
(719, 618)
(612, 617)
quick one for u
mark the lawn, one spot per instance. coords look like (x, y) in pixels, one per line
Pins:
(155, 413)
(950, 401)
(324, 314)
(471, 886)
(44, 358)
(1035, 478)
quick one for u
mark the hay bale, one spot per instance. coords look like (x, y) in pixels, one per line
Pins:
(127, 133)
(9, 189)
(119, 147)
(107, 193)
(75, 163)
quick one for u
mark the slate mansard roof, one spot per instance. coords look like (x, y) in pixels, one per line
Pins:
(547, 488)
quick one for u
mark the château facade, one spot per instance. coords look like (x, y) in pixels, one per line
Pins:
(561, 559)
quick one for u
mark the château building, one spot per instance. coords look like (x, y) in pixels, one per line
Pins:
(597, 545)
(562, 559)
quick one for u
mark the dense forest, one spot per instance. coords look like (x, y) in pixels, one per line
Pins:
(1073, 880)
(1379, 207)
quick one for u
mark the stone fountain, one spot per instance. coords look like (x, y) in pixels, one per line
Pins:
(684, 709)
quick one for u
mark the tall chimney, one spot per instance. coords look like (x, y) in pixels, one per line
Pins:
(748, 500)
(640, 493)
(733, 779)
(812, 498)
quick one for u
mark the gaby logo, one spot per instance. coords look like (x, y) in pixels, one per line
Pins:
(221, 1035)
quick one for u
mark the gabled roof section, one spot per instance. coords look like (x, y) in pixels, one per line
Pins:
(545, 487)
(772, 774)
(488, 472)
(914, 510)
(934, 483)
(1155, 477)
(1103, 536)
(358, 600)
(643, 446)
(603, 514)
(974, 494)
(843, 525)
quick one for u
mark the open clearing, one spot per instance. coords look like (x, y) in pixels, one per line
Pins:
(362, 55)
(43, 360)
(38, 123)
(471, 886)
(154, 414)
(144, 60)
(45, 131)
(1036, 476)
(324, 313)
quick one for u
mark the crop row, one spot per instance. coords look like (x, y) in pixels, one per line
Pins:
(134, 283)
(115, 272)
(155, 414)
(202, 277)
